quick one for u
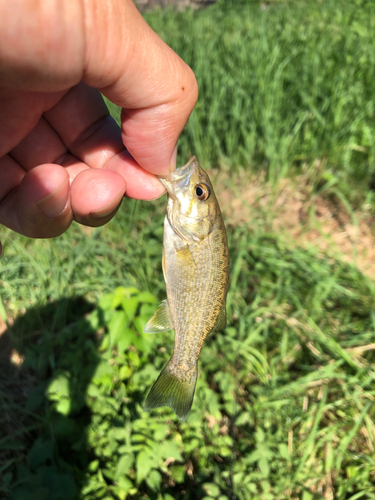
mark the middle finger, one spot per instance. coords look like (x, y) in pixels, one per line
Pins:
(82, 121)
(41, 145)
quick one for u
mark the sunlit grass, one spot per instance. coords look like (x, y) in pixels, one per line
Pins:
(285, 398)
(280, 86)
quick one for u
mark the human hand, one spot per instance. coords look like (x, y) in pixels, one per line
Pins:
(62, 157)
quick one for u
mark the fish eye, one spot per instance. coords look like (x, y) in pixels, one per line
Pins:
(202, 191)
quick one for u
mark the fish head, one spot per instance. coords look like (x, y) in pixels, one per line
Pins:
(192, 205)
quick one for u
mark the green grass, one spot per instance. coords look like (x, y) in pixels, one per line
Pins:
(282, 86)
(285, 401)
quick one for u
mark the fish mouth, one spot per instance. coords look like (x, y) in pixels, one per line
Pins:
(181, 176)
(185, 170)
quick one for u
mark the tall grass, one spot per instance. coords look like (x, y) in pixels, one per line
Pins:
(284, 405)
(281, 84)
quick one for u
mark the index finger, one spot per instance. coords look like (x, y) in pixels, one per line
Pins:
(82, 121)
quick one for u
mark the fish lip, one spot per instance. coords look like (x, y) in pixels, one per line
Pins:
(181, 176)
(166, 181)
(185, 170)
(169, 186)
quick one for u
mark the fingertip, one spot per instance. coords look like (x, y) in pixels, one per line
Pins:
(43, 181)
(96, 195)
(149, 190)
(141, 185)
(55, 203)
(43, 202)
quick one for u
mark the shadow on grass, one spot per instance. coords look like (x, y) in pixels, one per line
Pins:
(44, 418)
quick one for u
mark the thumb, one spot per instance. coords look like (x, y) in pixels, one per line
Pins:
(137, 71)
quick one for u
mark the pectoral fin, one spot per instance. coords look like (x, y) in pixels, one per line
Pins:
(160, 321)
(221, 321)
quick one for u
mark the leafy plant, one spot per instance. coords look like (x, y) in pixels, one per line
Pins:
(283, 400)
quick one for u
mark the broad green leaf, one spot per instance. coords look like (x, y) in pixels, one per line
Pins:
(125, 339)
(93, 466)
(264, 467)
(121, 295)
(211, 489)
(307, 496)
(124, 464)
(118, 433)
(116, 326)
(63, 406)
(106, 302)
(125, 483)
(103, 373)
(109, 473)
(130, 306)
(145, 462)
(153, 479)
(169, 449)
(283, 450)
(140, 323)
(243, 418)
(147, 297)
(178, 473)
(93, 391)
(160, 431)
(59, 388)
(125, 372)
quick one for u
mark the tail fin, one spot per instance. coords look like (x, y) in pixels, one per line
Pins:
(169, 390)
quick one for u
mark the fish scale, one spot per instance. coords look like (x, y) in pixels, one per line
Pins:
(196, 272)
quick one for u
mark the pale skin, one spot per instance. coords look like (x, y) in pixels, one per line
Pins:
(62, 157)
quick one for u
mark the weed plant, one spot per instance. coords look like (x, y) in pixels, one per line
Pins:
(281, 85)
(284, 405)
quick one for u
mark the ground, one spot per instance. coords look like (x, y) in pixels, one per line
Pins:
(307, 218)
(180, 4)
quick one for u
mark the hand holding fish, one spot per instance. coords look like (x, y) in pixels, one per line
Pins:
(62, 157)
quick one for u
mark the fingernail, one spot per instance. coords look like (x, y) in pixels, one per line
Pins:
(55, 203)
(108, 209)
(172, 163)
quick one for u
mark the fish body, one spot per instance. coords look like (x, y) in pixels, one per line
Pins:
(196, 272)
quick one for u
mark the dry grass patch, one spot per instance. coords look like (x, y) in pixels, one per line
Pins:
(303, 217)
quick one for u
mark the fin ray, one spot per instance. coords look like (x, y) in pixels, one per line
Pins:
(160, 321)
(171, 391)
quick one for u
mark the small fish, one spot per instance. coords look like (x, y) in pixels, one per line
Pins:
(196, 272)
